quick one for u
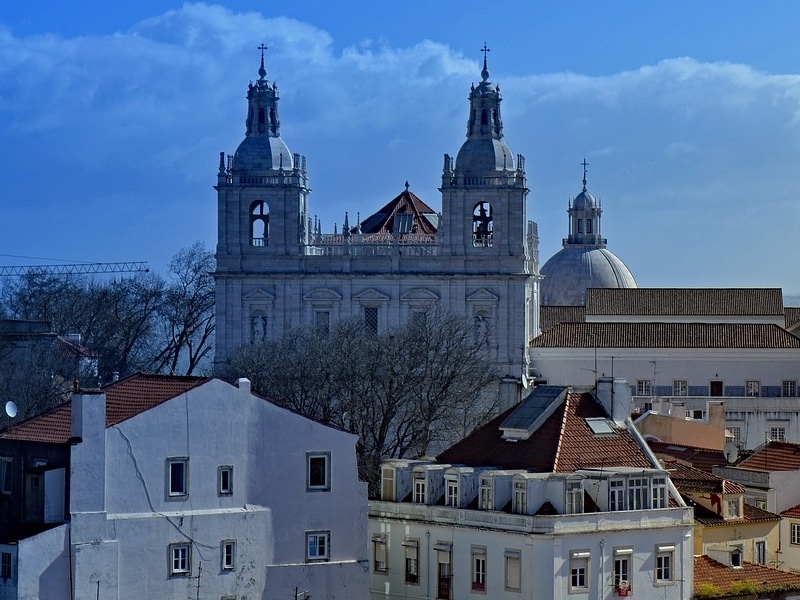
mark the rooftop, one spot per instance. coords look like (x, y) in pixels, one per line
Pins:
(707, 570)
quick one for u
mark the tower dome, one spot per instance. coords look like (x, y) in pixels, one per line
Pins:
(584, 261)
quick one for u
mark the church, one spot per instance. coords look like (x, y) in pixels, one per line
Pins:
(477, 257)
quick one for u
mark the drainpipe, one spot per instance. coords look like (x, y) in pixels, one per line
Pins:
(602, 568)
(428, 564)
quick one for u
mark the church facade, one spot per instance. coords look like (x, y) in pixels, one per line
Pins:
(478, 257)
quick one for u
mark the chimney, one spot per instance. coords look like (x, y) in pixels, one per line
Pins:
(509, 392)
(243, 383)
(614, 394)
(88, 453)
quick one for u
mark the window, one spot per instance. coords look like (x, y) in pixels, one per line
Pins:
(478, 568)
(259, 224)
(777, 434)
(486, 494)
(736, 557)
(318, 470)
(760, 552)
(637, 493)
(735, 435)
(580, 225)
(482, 225)
(716, 388)
(419, 488)
(322, 321)
(679, 388)
(317, 545)
(451, 499)
(578, 570)
(371, 319)
(513, 570)
(387, 484)
(643, 387)
(588, 226)
(734, 511)
(6, 475)
(664, 559)
(379, 560)
(228, 551)
(622, 568)
(789, 389)
(796, 534)
(180, 559)
(177, 477)
(225, 480)
(520, 505)
(659, 492)
(5, 565)
(752, 389)
(444, 571)
(574, 503)
(411, 549)
(762, 504)
(616, 494)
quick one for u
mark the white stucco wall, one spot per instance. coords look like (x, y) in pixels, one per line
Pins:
(43, 565)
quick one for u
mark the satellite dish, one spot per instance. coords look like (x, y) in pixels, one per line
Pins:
(11, 409)
(731, 452)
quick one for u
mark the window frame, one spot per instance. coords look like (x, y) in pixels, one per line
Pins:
(519, 503)
(313, 484)
(789, 388)
(411, 560)
(777, 433)
(680, 387)
(451, 492)
(174, 493)
(644, 387)
(760, 552)
(638, 493)
(658, 496)
(621, 566)
(228, 555)
(734, 507)
(316, 555)
(380, 554)
(752, 388)
(225, 488)
(579, 571)
(6, 475)
(573, 497)
(616, 495)
(664, 565)
(509, 558)
(478, 568)
(420, 488)
(6, 565)
(486, 494)
(180, 553)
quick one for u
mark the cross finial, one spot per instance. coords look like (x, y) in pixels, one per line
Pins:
(485, 71)
(262, 72)
(585, 164)
(485, 50)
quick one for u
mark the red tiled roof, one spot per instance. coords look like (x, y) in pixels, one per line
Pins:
(666, 335)
(563, 443)
(774, 456)
(406, 202)
(685, 301)
(707, 570)
(553, 315)
(703, 459)
(792, 316)
(792, 511)
(708, 518)
(124, 399)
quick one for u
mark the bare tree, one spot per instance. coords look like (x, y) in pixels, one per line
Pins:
(405, 392)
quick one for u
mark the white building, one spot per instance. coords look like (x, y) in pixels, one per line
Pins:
(478, 258)
(552, 499)
(187, 486)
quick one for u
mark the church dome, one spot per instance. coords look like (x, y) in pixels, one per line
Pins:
(584, 201)
(262, 153)
(568, 274)
(481, 155)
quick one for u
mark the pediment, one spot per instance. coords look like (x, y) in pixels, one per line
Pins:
(483, 296)
(420, 295)
(258, 296)
(322, 294)
(371, 295)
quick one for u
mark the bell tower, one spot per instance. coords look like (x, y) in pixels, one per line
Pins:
(484, 190)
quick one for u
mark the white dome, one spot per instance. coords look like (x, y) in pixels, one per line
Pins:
(568, 274)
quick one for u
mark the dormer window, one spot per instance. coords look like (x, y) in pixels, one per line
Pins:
(659, 492)
(451, 497)
(520, 505)
(734, 508)
(419, 488)
(574, 498)
(486, 494)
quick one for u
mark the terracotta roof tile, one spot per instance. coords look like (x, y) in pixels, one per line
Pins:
(553, 315)
(774, 456)
(703, 459)
(124, 399)
(685, 301)
(563, 443)
(666, 335)
(792, 511)
(792, 316)
(383, 221)
(707, 570)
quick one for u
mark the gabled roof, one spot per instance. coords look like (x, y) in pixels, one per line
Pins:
(685, 301)
(792, 511)
(774, 456)
(689, 479)
(666, 335)
(423, 219)
(565, 442)
(708, 570)
(553, 315)
(792, 316)
(703, 459)
(124, 399)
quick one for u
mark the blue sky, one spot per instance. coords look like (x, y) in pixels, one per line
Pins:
(112, 117)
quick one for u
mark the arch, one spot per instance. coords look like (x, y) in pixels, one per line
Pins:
(259, 223)
(484, 117)
(482, 225)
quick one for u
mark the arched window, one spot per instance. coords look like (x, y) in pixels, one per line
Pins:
(482, 225)
(259, 224)
(484, 117)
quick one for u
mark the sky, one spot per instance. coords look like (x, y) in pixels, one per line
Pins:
(113, 115)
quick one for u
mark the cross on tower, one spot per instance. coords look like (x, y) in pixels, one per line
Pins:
(262, 47)
(585, 164)
(485, 50)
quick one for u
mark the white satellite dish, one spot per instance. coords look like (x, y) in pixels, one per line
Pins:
(11, 409)
(731, 452)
